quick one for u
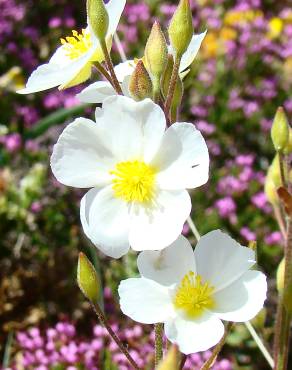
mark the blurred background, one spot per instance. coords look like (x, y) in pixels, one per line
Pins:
(243, 72)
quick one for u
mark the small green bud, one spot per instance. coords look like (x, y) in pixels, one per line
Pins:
(140, 85)
(98, 18)
(179, 88)
(280, 130)
(87, 278)
(181, 28)
(171, 360)
(288, 148)
(156, 52)
(271, 191)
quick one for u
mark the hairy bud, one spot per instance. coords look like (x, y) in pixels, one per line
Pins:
(98, 18)
(140, 85)
(156, 52)
(280, 130)
(87, 278)
(181, 28)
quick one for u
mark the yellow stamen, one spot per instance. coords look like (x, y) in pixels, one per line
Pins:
(77, 45)
(134, 181)
(193, 297)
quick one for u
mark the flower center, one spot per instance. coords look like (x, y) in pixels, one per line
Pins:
(134, 181)
(77, 45)
(193, 296)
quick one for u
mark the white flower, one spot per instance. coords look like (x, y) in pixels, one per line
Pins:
(100, 90)
(190, 292)
(138, 172)
(71, 64)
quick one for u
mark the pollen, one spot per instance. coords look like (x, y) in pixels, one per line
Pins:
(77, 45)
(134, 181)
(193, 296)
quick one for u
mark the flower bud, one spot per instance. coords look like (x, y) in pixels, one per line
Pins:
(280, 130)
(170, 361)
(179, 88)
(288, 148)
(181, 28)
(271, 191)
(98, 18)
(87, 278)
(156, 52)
(140, 85)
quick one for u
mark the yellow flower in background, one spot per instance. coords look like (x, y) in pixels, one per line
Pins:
(228, 33)
(276, 26)
(233, 18)
(211, 45)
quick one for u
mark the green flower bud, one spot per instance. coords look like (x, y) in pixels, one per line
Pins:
(171, 360)
(179, 88)
(98, 18)
(140, 85)
(156, 52)
(87, 278)
(288, 148)
(181, 28)
(280, 130)
(271, 191)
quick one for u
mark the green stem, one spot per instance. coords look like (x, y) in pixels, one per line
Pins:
(217, 349)
(282, 169)
(282, 327)
(113, 335)
(158, 343)
(103, 72)
(171, 88)
(110, 68)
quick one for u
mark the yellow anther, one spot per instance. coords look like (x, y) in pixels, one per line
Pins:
(77, 45)
(193, 296)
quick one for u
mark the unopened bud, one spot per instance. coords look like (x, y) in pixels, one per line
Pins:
(140, 85)
(179, 88)
(288, 148)
(181, 28)
(271, 190)
(156, 52)
(98, 18)
(280, 130)
(87, 278)
(170, 361)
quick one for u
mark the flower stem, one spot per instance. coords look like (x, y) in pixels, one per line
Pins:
(113, 335)
(283, 321)
(172, 85)
(103, 72)
(217, 349)
(158, 343)
(282, 169)
(193, 228)
(259, 343)
(110, 68)
(280, 219)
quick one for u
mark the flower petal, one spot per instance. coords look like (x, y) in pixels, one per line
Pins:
(168, 266)
(195, 336)
(80, 157)
(157, 226)
(192, 51)
(134, 129)
(125, 69)
(145, 301)
(115, 9)
(221, 260)
(183, 158)
(105, 221)
(242, 300)
(96, 92)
